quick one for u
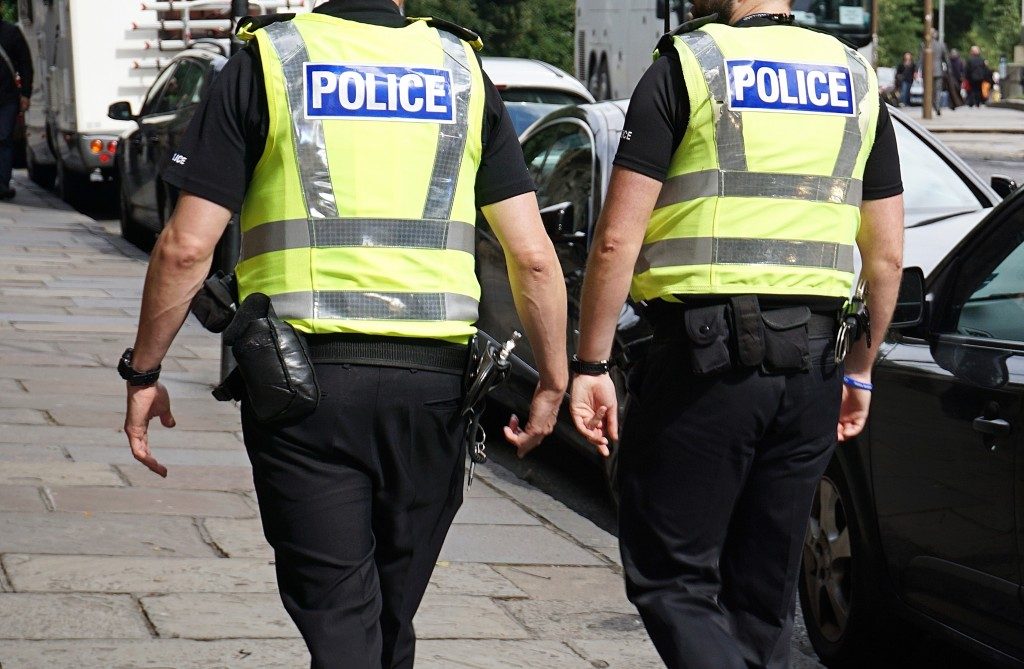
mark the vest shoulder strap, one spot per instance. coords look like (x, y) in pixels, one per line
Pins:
(248, 25)
(464, 34)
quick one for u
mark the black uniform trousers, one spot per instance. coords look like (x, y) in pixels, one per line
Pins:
(716, 477)
(356, 501)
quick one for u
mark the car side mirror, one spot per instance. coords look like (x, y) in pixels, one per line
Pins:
(1003, 185)
(121, 111)
(558, 220)
(910, 302)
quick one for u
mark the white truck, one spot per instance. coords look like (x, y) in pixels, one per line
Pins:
(615, 38)
(89, 53)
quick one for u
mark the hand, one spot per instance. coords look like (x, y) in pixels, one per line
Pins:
(25, 103)
(543, 414)
(595, 410)
(853, 414)
(144, 404)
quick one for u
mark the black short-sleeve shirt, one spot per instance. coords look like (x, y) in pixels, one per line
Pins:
(225, 140)
(659, 112)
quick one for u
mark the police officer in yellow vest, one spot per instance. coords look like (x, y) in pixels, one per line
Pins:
(755, 156)
(358, 146)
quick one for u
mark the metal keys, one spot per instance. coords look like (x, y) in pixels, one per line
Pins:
(478, 450)
(856, 323)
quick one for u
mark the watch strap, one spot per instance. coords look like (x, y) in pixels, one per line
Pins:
(588, 368)
(131, 375)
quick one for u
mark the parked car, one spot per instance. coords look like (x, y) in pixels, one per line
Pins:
(146, 201)
(529, 80)
(917, 518)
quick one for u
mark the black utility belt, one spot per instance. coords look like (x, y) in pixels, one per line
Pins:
(381, 351)
(737, 333)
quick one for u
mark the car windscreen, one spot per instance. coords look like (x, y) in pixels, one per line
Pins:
(524, 114)
(931, 188)
(548, 96)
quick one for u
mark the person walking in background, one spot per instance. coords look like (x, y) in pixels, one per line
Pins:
(956, 65)
(15, 91)
(905, 77)
(975, 72)
(939, 56)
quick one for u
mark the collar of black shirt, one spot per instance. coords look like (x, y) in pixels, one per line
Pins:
(376, 12)
(759, 21)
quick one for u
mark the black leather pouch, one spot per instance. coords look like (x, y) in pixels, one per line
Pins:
(786, 346)
(273, 360)
(216, 302)
(707, 330)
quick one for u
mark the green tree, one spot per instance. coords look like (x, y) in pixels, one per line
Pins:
(9, 11)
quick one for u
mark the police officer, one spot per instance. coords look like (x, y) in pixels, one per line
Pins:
(357, 145)
(755, 155)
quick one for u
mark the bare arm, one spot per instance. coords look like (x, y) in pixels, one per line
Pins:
(617, 242)
(178, 266)
(881, 247)
(539, 291)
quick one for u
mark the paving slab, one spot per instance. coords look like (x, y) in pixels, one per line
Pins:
(620, 654)
(100, 534)
(156, 654)
(200, 503)
(187, 421)
(491, 654)
(238, 538)
(143, 575)
(512, 544)
(191, 477)
(493, 511)
(159, 437)
(58, 473)
(578, 620)
(22, 416)
(472, 579)
(443, 616)
(586, 584)
(581, 529)
(122, 455)
(219, 616)
(70, 616)
(21, 498)
(30, 453)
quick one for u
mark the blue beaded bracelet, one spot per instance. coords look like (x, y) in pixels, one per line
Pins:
(859, 385)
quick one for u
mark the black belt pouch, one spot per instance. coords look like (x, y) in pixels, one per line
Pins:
(707, 329)
(274, 362)
(786, 346)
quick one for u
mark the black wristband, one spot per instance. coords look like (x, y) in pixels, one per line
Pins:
(133, 377)
(577, 366)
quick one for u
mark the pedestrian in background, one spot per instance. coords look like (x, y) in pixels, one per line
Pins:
(15, 96)
(905, 73)
(976, 73)
(734, 214)
(939, 57)
(956, 69)
(358, 187)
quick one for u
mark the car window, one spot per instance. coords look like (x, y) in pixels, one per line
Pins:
(151, 105)
(561, 162)
(181, 88)
(995, 309)
(931, 187)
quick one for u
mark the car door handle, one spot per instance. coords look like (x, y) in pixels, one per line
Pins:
(995, 427)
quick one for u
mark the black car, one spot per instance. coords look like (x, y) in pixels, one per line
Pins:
(146, 201)
(919, 519)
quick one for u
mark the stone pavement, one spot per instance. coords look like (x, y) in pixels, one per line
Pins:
(986, 120)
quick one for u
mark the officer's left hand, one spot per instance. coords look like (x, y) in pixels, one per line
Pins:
(144, 404)
(543, 415)
(595, 410)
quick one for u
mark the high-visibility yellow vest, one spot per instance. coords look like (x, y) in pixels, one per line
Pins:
(360, 215)
(763, 194)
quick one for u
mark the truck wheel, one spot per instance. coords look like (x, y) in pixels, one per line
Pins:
(604, 84)
(43, 175)
(71, 187)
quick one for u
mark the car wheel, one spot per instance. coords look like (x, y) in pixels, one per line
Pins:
(845, 622)
(131, 231)
(43, 175)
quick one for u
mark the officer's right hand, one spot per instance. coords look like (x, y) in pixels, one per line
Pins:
(144, 404)
(853, 413)
(543, 415)
(595, 410)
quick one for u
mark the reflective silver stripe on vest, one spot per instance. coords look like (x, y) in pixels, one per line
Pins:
(451, 138)
(307, 134)
(712, 183)
(370, 232)
(355, 305)
(732, 150)
(688, 251)
(853, 138)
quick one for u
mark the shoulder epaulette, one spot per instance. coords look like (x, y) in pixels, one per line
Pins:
(248, 25)
(695, 24)
(464, 34)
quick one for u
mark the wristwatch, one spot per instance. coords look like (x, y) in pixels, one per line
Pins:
(577, 366)
(133, 377)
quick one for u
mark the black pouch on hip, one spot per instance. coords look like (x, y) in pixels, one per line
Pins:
(786, 345)
(707, 330)
(215, 304)
(273, 360)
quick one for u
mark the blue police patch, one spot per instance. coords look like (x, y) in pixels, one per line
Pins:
(765, 85)
(378, 93)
